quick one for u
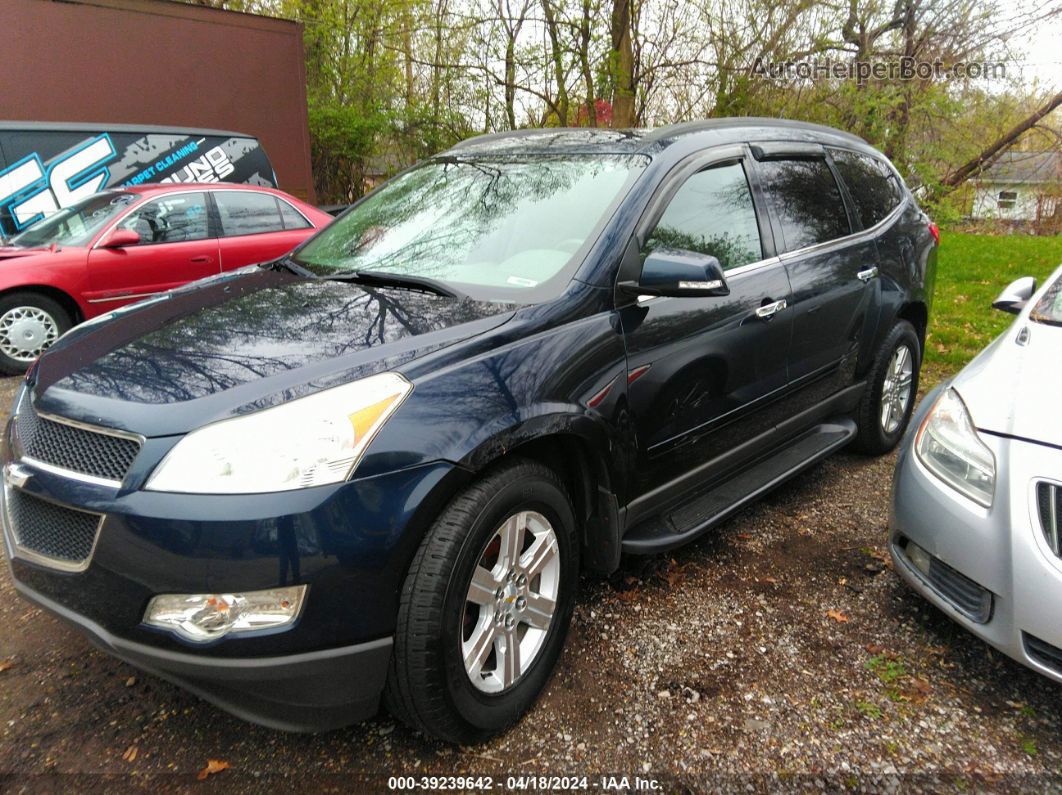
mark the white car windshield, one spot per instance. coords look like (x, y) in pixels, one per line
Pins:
(1049, 308)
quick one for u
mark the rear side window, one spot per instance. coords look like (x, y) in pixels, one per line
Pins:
(292, 218)
(712, 213)
(873, 188)
(248, 213)
(806, 201)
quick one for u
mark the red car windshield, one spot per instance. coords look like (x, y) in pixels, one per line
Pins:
(77, 224)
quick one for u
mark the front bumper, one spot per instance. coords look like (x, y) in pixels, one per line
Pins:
(998, 554)
(349, 543)
(313, 691)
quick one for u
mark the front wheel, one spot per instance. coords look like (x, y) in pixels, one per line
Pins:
(29, 323)
(485, 606)
(892, 384)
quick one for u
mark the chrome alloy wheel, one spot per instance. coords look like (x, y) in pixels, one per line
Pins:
(25, 331)
(896, 389)
(511, 601)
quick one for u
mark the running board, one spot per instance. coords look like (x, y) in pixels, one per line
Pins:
(706, 508)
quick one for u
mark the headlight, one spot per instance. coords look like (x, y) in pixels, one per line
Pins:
(311, 441)
(205, 617)
(948, 444)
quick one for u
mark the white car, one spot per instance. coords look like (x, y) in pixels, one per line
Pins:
(976, 521)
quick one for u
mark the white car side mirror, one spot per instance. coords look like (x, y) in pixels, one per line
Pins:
(1015, 295)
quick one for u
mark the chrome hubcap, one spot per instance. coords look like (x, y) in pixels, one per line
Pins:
(510, 602)
(25, 331)
(896, 390)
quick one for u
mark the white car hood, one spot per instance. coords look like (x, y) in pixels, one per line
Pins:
(1015, 388)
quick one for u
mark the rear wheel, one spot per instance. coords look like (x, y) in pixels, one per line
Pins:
(29, 323)
(892, 384)
(485, 606)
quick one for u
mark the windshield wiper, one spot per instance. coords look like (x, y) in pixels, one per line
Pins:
(385, 279)
(291, 266)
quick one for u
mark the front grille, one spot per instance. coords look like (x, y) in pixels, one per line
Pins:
(1049, 505)
(70, 447)
(1043, 652)
(966, 595)
(52, 531)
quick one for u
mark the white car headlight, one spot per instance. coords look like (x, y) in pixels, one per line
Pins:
(948, 444)
(311, 441)
(209, 616)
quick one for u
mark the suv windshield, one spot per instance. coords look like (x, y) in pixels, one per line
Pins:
(1049, 308)
(498, 228)
(77, 224)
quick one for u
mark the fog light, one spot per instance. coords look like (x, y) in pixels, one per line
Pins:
(204, 617)
(919, 557)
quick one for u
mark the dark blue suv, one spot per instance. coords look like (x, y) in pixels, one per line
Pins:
(375, 468)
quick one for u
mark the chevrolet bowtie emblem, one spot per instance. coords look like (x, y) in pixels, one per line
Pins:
(15, 475)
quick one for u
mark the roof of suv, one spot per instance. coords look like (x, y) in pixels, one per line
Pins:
(585, 139)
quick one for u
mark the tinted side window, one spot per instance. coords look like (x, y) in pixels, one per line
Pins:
(872, 189)
(292, 218)
(712, 213)
(172, 219)
(247, 213)
(806, 201)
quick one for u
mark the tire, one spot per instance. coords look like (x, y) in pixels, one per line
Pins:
(428, 685)
(876, 436)
(29, 323)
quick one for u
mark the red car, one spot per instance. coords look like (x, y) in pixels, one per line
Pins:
(123, 245)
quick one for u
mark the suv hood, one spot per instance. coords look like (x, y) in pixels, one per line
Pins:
(1013, 389)
(239, 342)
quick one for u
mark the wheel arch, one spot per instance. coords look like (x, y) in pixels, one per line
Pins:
(917, 314)
(61, 297)
(576, 448)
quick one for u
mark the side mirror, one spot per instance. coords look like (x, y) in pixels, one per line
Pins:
(679, 274)
(1015, 295)
(121, 238)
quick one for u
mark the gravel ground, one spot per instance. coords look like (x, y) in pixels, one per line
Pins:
(779, 653)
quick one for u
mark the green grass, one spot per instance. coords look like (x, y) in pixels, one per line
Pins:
(971, 272)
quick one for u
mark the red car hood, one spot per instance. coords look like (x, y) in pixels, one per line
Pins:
(11, 252)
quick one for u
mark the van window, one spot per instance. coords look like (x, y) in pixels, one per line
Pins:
(712, 213)
(806, 201)
(869, 184)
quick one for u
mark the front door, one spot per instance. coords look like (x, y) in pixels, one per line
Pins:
(700, 370)
(177, 245)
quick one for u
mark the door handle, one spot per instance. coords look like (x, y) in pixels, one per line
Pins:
(868, 274)
(203, 258)
(767, 311)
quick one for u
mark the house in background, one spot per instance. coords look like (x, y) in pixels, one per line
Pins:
(1020, 186)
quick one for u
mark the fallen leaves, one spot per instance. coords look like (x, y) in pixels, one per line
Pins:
(213, 766)
(130, 753)
(837, 616)
(5, 664)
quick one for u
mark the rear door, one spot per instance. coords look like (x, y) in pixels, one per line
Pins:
(830, 268)
(178, 244)
(701, 371)
(256, 227)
